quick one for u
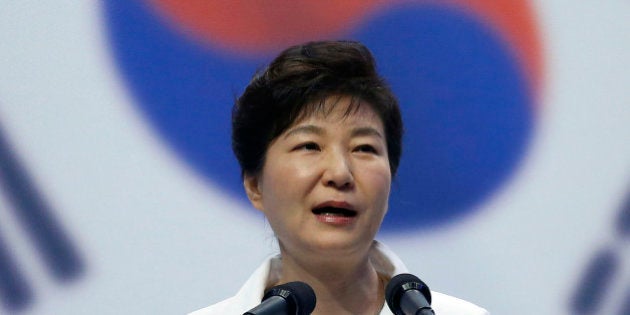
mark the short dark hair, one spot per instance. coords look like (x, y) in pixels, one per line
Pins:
(296, 84)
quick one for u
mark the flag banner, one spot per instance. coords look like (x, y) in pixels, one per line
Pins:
(119, 192)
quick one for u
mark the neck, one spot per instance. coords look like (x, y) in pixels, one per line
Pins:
(347, 284)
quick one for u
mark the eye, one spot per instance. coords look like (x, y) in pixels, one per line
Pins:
(308, 146)
(366, 148)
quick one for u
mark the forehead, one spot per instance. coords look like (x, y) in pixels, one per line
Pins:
(339, 109)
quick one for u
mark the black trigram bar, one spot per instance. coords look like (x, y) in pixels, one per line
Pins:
(36, 218)
(601, 271)
(623, 221)
(15, 293)
(623, 227)
(595, 283)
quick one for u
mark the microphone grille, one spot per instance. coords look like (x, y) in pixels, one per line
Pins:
(401, 283)
(299, 295)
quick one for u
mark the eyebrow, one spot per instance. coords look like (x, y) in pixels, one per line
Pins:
(306, 129)
(312, 129)
(366, 131)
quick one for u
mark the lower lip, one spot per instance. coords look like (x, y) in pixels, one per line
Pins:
(334, 219)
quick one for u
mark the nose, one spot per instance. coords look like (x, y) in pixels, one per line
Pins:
(338, 171)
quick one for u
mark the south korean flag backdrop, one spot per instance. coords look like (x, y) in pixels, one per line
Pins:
(119, 193)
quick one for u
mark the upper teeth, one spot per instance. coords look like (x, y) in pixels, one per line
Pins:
(333, 211)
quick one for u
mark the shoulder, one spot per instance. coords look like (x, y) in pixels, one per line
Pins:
(249, 294)
(449, 305)
(388, 263)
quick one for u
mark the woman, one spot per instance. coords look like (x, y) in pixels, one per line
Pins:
(318, 137)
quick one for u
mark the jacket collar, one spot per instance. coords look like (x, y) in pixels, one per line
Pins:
(386, 263)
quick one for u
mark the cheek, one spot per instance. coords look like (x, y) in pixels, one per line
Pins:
(379, 171)
(378, 181)
(284, 183)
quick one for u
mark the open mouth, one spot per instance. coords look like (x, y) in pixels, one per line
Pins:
(334, 211)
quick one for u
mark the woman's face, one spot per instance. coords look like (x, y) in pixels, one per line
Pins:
(325, 183)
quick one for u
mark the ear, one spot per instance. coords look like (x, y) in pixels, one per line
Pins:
(252, 188)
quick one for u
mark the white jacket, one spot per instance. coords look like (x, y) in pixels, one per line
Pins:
(385, 262)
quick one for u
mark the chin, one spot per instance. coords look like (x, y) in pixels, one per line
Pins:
(335, 243)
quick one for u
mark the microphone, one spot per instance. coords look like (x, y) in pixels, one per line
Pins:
(408, 295)
(293, 298)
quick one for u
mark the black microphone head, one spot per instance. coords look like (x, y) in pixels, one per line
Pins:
(299, 296)
(401, 283)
